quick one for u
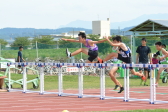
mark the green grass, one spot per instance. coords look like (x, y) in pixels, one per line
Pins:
(55, 54)
(71, 82)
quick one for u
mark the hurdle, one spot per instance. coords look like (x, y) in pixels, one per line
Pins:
(24, 90)
(102, 96)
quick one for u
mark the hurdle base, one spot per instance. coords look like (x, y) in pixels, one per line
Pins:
(102, 98)
(80, 97)
(151, 103)
(41, 93)
(125, 100)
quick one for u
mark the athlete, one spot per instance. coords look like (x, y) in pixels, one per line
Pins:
(163, 58)
(92, 50)
(114, 70)
(124, 54)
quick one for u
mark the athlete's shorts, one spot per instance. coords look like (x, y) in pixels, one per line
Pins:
(92, 55)
(141, 68)
(126, 60)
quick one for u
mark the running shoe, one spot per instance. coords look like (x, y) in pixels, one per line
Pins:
(145, 84)
(121, 89)
(143, 78)
(99, 60)
(116, 87)
(68, 53)
(156, 84)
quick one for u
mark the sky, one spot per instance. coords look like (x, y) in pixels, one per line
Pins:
(54, 13)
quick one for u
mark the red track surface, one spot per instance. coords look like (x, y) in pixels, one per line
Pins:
(33, 102)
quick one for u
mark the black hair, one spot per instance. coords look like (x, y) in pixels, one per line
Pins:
(155, 55)
(144, 39)
(82, 34)
(20, 47)
(158, 43)
(117, 38)
(164, 45)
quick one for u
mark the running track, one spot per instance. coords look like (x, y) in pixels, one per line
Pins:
(33, 102)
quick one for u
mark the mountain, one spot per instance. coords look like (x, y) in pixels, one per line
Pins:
(11, 33)
(116, 25)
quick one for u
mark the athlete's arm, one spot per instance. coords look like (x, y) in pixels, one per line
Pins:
(113, 44)
(137, 58)
(97, 42)
(150, 57)
(70, 40)
(165, 54)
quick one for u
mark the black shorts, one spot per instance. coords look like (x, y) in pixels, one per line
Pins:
(92, 55)
(19, 65)
(141, 68)
(126, 60)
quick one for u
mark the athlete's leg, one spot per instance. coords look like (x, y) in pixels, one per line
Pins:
(110, 56)
(137, 73)
(83, 50)
(158, 75)
(112, 74)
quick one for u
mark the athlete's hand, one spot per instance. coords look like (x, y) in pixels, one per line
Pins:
(106, 37)
(64, 39)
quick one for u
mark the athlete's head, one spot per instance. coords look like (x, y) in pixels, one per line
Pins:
(143, 41)
(21, 48)
(164, 46)
(158, 45)
(117, 39)
(82, 36)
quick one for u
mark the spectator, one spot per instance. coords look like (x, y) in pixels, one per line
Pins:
(20, 57)
(143, 57)
(154, 59)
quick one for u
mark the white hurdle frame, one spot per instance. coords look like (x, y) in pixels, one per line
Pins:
(126, 98)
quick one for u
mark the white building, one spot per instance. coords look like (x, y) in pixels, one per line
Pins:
(101, 28)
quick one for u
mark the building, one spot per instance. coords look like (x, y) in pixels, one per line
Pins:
(72, 34)
(101, 28)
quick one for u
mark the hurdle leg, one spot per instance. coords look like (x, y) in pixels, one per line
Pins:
(80, 83)
(24, 80)
(152, 87)
(9, 79)
(60, 86)
(41, 81)
(127, 84)
(102, 83)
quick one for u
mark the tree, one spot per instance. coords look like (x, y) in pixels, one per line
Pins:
(45, 42)
(93, 37)
(150, 40)
(3, 43)
(21, 41)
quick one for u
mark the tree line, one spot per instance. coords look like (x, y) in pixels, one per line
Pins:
(48, 42)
